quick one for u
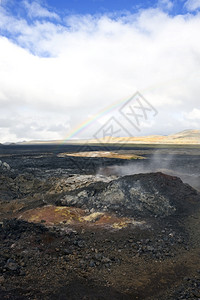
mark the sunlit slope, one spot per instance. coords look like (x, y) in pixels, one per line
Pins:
(183, 137)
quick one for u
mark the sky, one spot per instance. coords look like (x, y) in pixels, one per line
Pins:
(67, 68)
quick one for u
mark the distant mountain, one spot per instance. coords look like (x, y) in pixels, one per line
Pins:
(186, 134)
(7, 143)
(52, 142)
(185, 137)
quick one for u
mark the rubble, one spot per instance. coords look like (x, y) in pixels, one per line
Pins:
(144, 195)
(69, 235)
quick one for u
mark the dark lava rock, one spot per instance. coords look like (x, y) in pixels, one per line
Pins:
(12, 265)
(15, 228)
(4, 167)
(189, 290)
(152, 194)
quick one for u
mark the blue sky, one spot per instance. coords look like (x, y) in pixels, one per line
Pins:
(71, 7)
(103, 6)
(61, 62)
(99, 6)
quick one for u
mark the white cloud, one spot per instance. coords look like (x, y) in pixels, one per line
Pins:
(34, 9)
(192, 5)
(93, 62)
(194, 114)
(165, 4)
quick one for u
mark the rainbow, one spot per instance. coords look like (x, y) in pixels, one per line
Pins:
(90, 120)
(112, 107)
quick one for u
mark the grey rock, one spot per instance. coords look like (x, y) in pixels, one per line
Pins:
(150, 248)
(92, 264)
(81, 244)
(5, 166)
(105, 260)
(153, 194)
(11, 265)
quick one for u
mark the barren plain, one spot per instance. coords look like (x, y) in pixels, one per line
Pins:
(123, 224)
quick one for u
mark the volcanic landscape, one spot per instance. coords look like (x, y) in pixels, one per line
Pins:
(99, 223)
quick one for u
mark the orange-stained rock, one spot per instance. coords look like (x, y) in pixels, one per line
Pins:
(54, 215)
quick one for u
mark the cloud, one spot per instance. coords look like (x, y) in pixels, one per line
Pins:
(165, 4)
(35, 10)
(192, 5)
(194, 114)
(54, 75)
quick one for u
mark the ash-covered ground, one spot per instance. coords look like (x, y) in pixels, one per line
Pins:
(99, 227)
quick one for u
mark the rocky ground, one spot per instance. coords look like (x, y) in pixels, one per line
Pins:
(72, 235)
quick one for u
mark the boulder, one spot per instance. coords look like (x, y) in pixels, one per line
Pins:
(152, 194)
